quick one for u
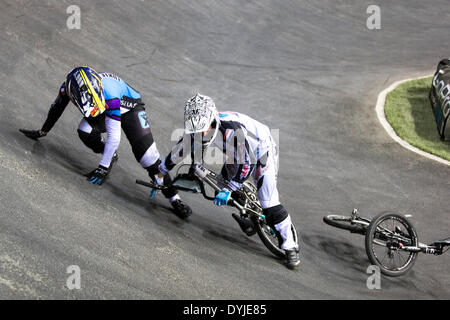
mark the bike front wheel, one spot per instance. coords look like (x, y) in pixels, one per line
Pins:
(390, 244)
(270, 238)
(354, 225)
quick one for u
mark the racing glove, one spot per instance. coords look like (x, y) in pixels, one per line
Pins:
(33, 134)
(222, 197)
(98, 175)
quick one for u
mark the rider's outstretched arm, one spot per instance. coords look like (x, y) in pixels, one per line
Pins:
(56, 110)
(113, 130)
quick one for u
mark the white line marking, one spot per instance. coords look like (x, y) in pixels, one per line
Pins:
(382, 118)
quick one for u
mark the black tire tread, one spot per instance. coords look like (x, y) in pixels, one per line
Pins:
(369, 243)
(269, 244)
(346, 225)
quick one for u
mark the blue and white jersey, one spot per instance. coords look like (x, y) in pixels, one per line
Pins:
(114, 88)
(119, 98)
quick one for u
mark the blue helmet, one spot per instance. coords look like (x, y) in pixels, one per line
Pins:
(85, 89)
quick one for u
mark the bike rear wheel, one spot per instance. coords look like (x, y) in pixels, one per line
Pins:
(354, 225)
(386, 237)
(270, 237)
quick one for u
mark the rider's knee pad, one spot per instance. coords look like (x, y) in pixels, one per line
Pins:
(275, 215)
(171, 190)
(92, 140)
(153, 170)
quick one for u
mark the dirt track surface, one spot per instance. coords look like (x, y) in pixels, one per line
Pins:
(311, 69)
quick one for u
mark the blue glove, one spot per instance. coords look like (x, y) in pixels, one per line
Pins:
(158, 181)
(222, 197)
(153, 193)
(98, 175)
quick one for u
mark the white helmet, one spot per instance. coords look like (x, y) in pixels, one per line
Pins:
(199, 114)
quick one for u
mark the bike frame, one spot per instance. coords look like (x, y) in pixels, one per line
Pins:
(363, 223)
(203, 175)
(212, 179)
(395, 240)
(424, 248)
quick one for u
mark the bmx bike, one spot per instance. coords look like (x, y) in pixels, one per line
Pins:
(244, 199)
(391, 240)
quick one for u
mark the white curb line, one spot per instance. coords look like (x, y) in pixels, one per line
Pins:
(382, 118)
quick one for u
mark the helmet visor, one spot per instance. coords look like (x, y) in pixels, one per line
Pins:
(197, 120)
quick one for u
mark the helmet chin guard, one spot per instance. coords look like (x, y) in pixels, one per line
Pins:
(207, 143)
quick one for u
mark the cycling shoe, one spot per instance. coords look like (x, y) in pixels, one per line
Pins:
(245, 224)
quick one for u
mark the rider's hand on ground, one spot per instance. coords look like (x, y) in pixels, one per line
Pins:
(98, 175)
(33, 134)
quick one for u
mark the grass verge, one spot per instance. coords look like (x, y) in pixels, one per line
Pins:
(409, 113)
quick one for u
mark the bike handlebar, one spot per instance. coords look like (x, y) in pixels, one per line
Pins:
(150, 185)
(201, 173)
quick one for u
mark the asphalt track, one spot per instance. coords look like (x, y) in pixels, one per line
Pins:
(311, 69)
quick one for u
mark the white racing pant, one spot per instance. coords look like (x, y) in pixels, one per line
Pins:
(284, 228)
(268, 196)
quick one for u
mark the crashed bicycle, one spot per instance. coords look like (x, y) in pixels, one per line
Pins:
(391, 241)
(251, 218)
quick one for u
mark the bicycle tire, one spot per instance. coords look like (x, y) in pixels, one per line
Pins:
(345, 222)
(268, 237)
(376, 231)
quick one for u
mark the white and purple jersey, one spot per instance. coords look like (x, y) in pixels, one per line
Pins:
(245, 142)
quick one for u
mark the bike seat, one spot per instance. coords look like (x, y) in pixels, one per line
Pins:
(444, 242)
